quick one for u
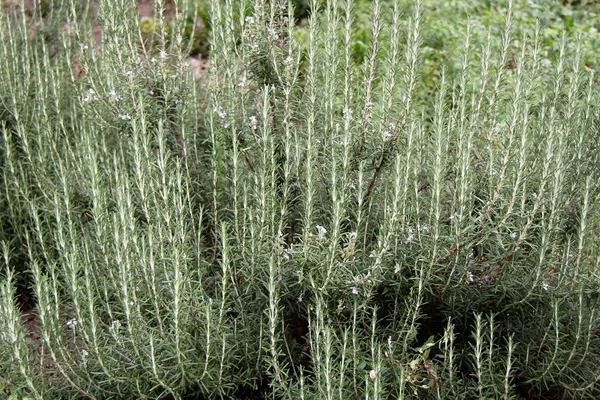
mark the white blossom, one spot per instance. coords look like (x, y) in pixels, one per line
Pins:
(273, 33)
(355, 291)
(113, 95)
(242, 82)
(321, 230)
(72, 323)
(253, 122)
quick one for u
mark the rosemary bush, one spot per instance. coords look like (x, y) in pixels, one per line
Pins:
(299, 222)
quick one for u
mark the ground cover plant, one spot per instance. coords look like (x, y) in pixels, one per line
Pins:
(323, 213)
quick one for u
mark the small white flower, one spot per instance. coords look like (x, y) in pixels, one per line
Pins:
(84, 353)
(116, 324)
(452, 217)
(177, 101)
(72, 323)
(424, 228)
(352, 236)
(472, 254)
(409, 238)
(373, 254)
(321, 230)
(125, 116)
(373, 374)
(163, 54)
(397, 269)
(513, 235)
(85, 47)
(86, 99)
(300, 299)
(387, 134)
(545, 286)
(249, 19)
(471, 277)
(113, 95)
(222, 114)
(288, 60)
(355, 291)
(242, 82)
(253, 122)
(273, 33)
(128, 73)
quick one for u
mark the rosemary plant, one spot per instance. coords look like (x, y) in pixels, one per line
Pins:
(298, 222)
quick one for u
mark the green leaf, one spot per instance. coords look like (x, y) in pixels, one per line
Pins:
(413, 364)
(429, 343)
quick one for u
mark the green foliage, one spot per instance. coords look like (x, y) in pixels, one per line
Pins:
(377, 202)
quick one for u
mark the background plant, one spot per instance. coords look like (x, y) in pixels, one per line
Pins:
(314, 218)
